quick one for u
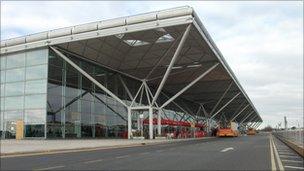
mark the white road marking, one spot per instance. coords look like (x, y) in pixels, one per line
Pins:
(50, 168)
(120, 157)
(273, 164)
(293, 161)
(291, 154)
(294, 167)
(93, 161)
(286, 155)
(277, 156)
(227, 149)
(294, 157)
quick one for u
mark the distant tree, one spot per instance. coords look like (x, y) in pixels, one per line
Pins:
(293, 128)
(267, 128)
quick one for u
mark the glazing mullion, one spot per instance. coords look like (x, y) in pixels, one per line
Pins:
(63, 96)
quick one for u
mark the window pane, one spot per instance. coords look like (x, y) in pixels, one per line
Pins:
(2, 104)
(37, 86)
(13, 89)
(15, 75)
(36, 72)
(3, 62)
(36, 57)
(13, 103)
(15, 60)
(2, 90)
(2, 75)
(34, 116)
(1, 122)
(13, 115)
(34, 130)
(35, 101)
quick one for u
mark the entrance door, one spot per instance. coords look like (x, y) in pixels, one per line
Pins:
(139, 128)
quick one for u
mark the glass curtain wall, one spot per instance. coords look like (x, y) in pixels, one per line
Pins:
(77, 108)
(23, 92)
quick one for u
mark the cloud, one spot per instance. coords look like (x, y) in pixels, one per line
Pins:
(261, 41)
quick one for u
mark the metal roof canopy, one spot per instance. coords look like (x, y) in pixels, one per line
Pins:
(142, 47)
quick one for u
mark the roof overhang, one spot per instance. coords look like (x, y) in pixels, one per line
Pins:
(137, 45)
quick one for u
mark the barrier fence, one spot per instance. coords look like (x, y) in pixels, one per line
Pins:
(295, 136)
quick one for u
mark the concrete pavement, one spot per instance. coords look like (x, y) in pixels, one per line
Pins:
(9, 147)
(240, 153)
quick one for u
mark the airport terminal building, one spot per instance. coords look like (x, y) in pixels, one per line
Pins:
(139, 76)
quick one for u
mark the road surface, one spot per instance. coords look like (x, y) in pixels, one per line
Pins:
(240, 153)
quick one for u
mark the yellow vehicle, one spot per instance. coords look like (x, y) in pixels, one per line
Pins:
(251, 131)
(229, 131)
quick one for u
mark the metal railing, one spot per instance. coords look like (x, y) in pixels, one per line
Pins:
(295, 136)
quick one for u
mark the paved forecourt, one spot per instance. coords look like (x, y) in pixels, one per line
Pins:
(241, 153)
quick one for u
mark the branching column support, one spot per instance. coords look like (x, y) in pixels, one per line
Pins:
(150, 123)
(225, 105)
(129, 123)
(189, 85)
(221, 98)
(239, 113)
(246, 117)
(87, 75)
(176, 54)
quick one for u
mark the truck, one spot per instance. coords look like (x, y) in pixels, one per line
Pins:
(229, 130)
(251, 131)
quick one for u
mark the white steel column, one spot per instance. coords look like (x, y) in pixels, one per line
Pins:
(129, 123)
(250, 119)
(189, 85)
(150, 123)
(133, 101)
(239, 113)
(159, 122)
(225, 105)
(87, 75)
(176, 54)
(221, 98)
(126, 88)
(257, 126)
(247, 116)
(254, 124)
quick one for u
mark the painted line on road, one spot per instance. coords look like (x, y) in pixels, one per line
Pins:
(293, 161)
(294, 167)
(295, 157)
(93, 161)
(50, 168)
(227, 149)
(144, 153)
(291, 154)
(277, 156)
(273, 164)
(121, 157)
(286, 155)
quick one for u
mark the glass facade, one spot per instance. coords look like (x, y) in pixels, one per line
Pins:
(79, 109)
(54, 100)
(23, 92)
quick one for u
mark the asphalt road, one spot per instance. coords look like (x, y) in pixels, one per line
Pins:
(240, 153)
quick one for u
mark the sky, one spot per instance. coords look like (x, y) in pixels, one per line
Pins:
(261, 41)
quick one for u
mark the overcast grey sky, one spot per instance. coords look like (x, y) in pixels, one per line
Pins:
(261, 41)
